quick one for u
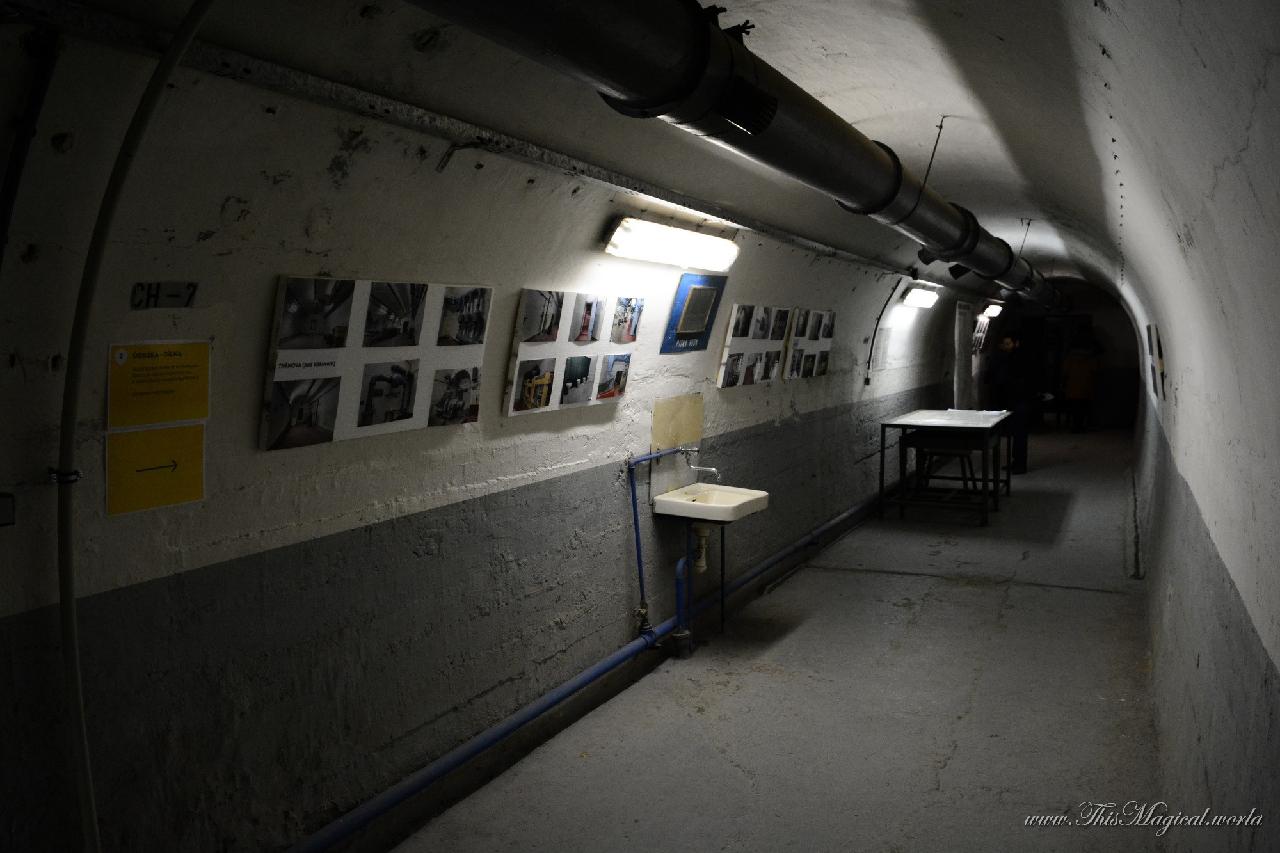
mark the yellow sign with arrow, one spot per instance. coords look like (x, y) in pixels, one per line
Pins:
(154, 467)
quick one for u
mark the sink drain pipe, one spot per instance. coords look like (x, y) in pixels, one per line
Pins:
(342, 829)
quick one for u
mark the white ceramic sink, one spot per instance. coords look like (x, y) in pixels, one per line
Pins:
(711, 502)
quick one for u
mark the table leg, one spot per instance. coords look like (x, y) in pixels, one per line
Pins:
(986, 477)
(722, 573)
(1008, 463)
(902, 473)
(995, 472)
(880, 508)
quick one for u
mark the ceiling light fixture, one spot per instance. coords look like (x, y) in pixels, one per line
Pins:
(642, 240)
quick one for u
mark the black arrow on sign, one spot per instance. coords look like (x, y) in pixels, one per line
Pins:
(172, 466)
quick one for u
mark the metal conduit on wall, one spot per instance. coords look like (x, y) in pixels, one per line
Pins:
(669, 59)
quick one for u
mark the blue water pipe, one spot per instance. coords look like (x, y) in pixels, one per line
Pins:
(643, 610)
(342, 829)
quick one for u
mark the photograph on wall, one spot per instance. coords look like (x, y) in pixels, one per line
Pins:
(780, 318)
(315, 313)
(539, 320)
(567, 371)
(810, 345)
(387, 392)
(801, 329)
(575, 384)
(455, 397)
(613, 377)
(464, 315)
(731, 374)
(751, 356)
(372, 342)
(302, 412)
(587, 318)
(761, 323)
(534, 379)
(394, 315)
(795, 363)
(626, 320)
(772, 364)
(693, 313)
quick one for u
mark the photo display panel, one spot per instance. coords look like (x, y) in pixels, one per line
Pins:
(570, 349)
(754, 345)
(357, 357)
(809, 350)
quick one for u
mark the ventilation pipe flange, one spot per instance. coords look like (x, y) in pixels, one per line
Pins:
(704, 78)
(1004, 267)
(968, 241)
(721, 94)
(729, 102)
(886, 209)
(1020, 276)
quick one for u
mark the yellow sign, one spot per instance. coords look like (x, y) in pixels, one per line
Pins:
(157, 383)
(150, 468)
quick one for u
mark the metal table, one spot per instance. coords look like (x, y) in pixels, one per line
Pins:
(968, 429)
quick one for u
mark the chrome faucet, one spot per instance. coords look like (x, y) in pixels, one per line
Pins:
(698, 469)
(687, 452)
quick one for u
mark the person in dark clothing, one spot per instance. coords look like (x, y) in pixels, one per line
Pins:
(1010, 380)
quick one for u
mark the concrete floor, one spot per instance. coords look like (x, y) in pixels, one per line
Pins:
(922, 685)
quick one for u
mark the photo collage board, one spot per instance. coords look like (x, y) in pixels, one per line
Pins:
(570, 349)
(809, 353)
(754, 345)
(357, 357)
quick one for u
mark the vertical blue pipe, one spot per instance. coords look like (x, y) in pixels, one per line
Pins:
(635, 526)
(635, 520)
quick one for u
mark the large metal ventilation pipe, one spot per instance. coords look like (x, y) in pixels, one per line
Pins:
(669, 59)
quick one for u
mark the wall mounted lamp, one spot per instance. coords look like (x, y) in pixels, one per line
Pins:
(642, 240)
(919, 297)
(992, 311)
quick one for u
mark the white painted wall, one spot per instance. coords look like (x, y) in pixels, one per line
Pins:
(235, 186)
(1201, 208)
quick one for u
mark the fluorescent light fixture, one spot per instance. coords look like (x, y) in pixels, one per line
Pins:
(900, 317)
(918, 297)
(992, 311)
(642, 240)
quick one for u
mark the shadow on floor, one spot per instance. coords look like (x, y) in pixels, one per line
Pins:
(1049, 509)
(750, 633)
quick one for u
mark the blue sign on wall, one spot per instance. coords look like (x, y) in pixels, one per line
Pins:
(693, 312)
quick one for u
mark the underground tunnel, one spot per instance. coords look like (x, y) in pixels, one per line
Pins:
(604, 426)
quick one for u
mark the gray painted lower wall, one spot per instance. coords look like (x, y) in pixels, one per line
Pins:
(1217, 691)
(245, 704)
